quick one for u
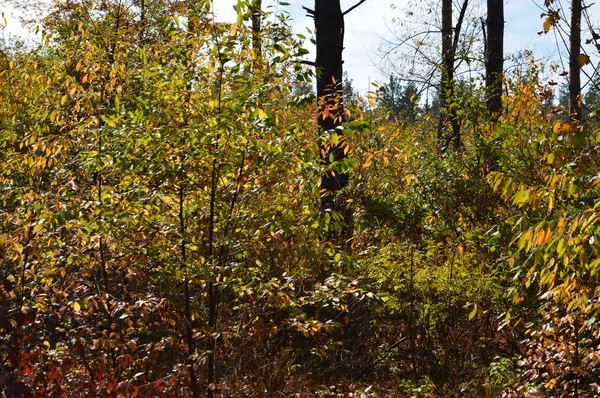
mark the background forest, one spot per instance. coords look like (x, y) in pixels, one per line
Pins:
(182, 215)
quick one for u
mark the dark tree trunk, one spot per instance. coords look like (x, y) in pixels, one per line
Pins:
(329, 24)
(494, 56)
(447, 56)
(450, 41)
(142, 21)
(574, 64)
(187, 288)
(447, 81)
(256, 28)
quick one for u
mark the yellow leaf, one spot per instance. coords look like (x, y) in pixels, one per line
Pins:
(548, 237)
(371, 100)
(562, 224)
(557, 128)
(261, 114)
(564, 127)
(369, 161)
(583, 60)
(359, 115)
(547, 26)
(76, 306)
(525, 240)
(539, 237)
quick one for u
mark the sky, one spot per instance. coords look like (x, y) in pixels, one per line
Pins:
(370, 25)
(364, 28)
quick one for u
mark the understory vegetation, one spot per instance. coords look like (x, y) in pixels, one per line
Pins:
(161, 233)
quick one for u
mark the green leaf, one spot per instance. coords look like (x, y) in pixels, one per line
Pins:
(473, 312)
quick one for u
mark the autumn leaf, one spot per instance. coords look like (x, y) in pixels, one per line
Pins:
(583, 60)
(551, 20)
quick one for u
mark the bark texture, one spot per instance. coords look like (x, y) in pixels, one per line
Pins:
(329, 24)
(449, 46)
(494, 56)
(256, 28)
(574, 62)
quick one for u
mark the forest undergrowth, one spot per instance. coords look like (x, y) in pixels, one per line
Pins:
(161, 234)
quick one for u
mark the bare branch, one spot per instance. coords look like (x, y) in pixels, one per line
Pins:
(309, 11)
(485, 41)
(306, 62)
(458, 27)
(353, 7)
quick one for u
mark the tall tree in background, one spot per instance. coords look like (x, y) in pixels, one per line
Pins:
(494, 56)
(256, 9)
(390, 94)
(399, 100)
(563, 100)
(450, 36)
(447, 64)
(142, 20)
(592, 99)
(329, 26)
(575, 62)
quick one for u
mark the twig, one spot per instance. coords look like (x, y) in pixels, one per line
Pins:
(306, 62)
(353, 7)
(309, 11)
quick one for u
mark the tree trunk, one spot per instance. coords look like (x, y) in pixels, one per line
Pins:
(256, 8)
(450, 41)
(447, 80)
(494, 56)
(447, 58)
(329, 24)
(142, 21)
(574, 63)
(189, 325)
